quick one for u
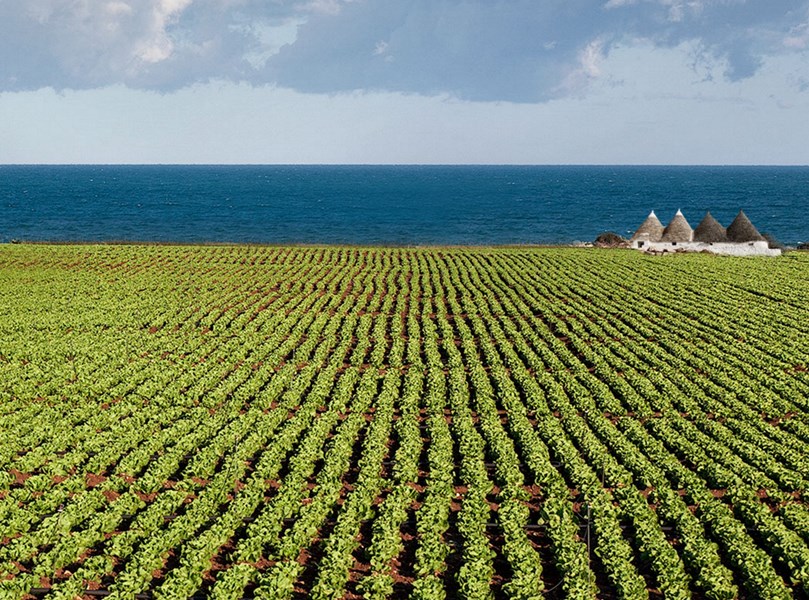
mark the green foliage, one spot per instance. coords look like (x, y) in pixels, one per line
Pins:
(441, 422)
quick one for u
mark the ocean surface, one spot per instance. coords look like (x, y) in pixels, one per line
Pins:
(402, 205)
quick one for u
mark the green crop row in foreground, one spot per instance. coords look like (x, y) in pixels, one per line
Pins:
(256, 422)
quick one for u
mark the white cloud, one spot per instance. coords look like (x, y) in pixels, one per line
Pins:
(798, 38)
(677, 9)
(485, 50)
(381, 48)
(590, 60)
(326, 7)
(157, 44)
(116, 8)
(153, 44)
(660, 114)
(680, 10)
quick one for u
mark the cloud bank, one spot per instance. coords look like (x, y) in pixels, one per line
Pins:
(480, 50)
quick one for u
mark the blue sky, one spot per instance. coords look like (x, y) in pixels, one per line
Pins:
(404, 81)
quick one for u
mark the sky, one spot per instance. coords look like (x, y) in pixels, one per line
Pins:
(405, 81)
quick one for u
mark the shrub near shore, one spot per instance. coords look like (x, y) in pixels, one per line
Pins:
(234, 422)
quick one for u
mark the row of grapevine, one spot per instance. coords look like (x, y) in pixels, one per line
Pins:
(246, 422)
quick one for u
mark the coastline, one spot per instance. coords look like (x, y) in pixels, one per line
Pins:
(285, 245)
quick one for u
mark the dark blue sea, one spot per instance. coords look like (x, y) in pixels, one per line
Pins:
(402, 205)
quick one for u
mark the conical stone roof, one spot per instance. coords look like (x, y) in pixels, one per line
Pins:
(678, 230)
(709, 230)
(651, 229)
(742, 230)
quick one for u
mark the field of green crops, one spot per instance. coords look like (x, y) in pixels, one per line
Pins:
(253, 422)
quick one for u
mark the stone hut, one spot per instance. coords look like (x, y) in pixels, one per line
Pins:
(709, 230)
(651, 230)
(740, 239)
(742, 230)
(678, 230)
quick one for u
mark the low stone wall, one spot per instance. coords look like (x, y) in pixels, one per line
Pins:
(731, 249)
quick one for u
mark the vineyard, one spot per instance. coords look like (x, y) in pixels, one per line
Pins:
(253, 422)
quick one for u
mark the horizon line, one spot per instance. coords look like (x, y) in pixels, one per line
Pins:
(393, 164)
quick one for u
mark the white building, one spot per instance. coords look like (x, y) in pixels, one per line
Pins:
(741, 238)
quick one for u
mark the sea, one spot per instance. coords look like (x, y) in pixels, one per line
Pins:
(386, 205)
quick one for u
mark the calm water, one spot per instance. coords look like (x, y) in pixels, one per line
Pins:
(386, 204)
